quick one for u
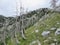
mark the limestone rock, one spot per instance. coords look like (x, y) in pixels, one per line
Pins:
(45, 33)
(53, 28)
(36, 31)
(52, 44)
(57, 31)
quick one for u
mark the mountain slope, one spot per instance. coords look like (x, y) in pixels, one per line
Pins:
(41, 26)
(33, 32)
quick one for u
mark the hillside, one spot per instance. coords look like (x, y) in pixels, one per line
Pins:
(34, 33)
(49, 22)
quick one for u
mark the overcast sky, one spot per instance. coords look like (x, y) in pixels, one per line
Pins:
(8, 7)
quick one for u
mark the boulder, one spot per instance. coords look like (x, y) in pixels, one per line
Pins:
(58, 23)
(36, 31)
(35, 42)
(45, 33)
(57, 31)
(53, 28)
(52, 44)
(46, 41)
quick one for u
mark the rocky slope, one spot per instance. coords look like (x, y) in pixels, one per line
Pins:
(38, 22)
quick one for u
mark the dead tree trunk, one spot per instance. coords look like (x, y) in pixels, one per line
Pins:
(53, 4)
(22, 25)
(4, 30)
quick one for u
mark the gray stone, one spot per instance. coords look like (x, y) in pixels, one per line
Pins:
(55, 39)
(46, 41)
(47, 25)
(58, 23)
(36, 31)
(53, 28)
(36, 41)
(57, 31)
(49, 37)
(45, 33)
(52, 44)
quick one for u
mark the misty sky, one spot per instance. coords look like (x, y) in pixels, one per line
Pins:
(8, 7)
